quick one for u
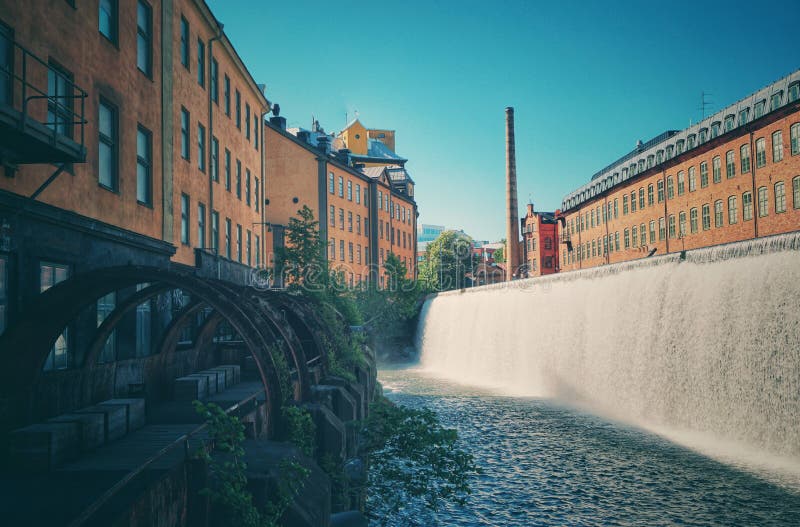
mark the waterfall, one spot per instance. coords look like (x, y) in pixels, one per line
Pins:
(708, 342)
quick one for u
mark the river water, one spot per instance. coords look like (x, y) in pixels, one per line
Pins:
(545, 463)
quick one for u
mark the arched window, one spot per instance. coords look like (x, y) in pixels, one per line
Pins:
(692, 179)
(681, 183)
(650, 196)
(718, 213)
(780, 197)
(730, 164)
(763, 202)
(744, 154)
(682, 224)
(796, 192)
(693, 220)
(706, 216)
(671, 225)
(794, 134)
(732, 213)
(670, 187)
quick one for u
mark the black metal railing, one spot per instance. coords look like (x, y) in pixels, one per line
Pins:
(28, 82)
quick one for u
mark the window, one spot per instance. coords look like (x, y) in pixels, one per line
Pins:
(780, 197)
(641, 198)
(227, 170)
(201, 63)
(247, 121)
(794, 92)
(201, 226)
(349, 221)
(616, 208)
(796, 192)
(258, 251)
(743, 116)
(716, 165)
(661, 229)
(358, 223)
(715, 129)
(732, 213)
(255, 192)
(730, 164)
(729, 122)
(255, 130)
(201, 147)
(747, 206)
(671, 225)
(238, 243)
(51, 274)
(350, 252)
(759, 109)
(670, 188)
(761, 152)
(763, 202)
(332, 249)
(703, 174)
(60, 115)
(341, 219)
(247, 187)
(3, 293)
(775, 101)
(652, 231)
(238, 179)
(616, 241)
(358, 193)
(144, 324)
(692, 179)
(332, 214)
(777, 146)
(107, 146)
(634, 236)
(184, 219)
(238, 110)
(226, 94)
(678, 147)
(185, 133)
(794, 134)
(107, 19)
(228, 238)
(681, 183)
(185, 43)
(693, 220)
(105, 306)
(249, 248)
(341, 251)
(690, 140)
(718, 222)
(660, 188)
(341, 187)
(349, 190)
(681, 224)
(144, 161)
(633, 202)
(744, 154)
(331, 185)
(214, 159)
(215, 231)
(144, 38)
(706, 216)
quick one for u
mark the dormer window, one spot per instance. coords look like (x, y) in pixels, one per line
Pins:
(624, 173)
(760, 106)
(729, 120)
(650, 160)
(691, 142)
(679, 147)
(670, 151)
(715, 126)
(775, 101)
(659, 157)
(641, 165)
(794, 92)
(743, 114)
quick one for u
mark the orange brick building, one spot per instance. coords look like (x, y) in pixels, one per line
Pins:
(539, 242)
(731, 177)
(364, 213)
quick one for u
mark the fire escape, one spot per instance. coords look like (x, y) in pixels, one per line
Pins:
(41, 113)
(564, 236)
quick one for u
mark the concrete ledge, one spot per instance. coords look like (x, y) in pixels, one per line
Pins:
(219, 377)
(191, 388)
(43, 446)
(115, 419)
(92, 429)
(337, 399)
(210, 379)
(235, 375)
(134, 411)
(331, 433)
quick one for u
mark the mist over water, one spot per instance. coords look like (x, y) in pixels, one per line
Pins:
(705, 351)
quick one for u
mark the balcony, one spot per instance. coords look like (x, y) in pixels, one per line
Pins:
(566, 239)
(41, 110)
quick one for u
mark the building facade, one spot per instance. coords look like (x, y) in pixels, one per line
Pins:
(731, 177)
(539, 242)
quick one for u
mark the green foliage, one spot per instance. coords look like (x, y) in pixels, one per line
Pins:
(499, 255)
(228, 489)
(302, 261)
(447, 261)
(340, 490)
(299, 429)
(412, 457)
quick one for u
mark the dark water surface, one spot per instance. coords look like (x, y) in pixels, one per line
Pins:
(546, 464)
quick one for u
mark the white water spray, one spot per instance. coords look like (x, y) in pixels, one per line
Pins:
(708, 345)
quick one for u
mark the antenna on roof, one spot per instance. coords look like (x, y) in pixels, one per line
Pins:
(704, 104)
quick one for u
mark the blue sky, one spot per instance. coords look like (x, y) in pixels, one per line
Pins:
(586, 79)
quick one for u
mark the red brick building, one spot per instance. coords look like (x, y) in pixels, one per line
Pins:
(539, 242)
(731, 177)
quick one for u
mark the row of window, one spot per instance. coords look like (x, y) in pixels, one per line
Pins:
(601, 214)
(637, 236)
(547, 243)
(226, 162)
(108, 25)
(350, 252)
(246, 256)
(184, 53)
(353, 193)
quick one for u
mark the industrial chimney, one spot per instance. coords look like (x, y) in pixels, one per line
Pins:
(512, 220)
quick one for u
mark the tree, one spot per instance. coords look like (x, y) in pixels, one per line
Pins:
(447, 262)
(499, 255)
(302, 260)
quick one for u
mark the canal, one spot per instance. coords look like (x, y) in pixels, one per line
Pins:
(548, 464)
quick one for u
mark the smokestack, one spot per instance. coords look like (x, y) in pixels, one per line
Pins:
(512, 223)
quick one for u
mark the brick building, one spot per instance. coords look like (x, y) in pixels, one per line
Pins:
(539, 242)
(365, 213)
(731, 177)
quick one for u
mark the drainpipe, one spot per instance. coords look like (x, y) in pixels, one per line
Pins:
(606, 215)
(666, 216)
(210, 142)
(262, 205)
